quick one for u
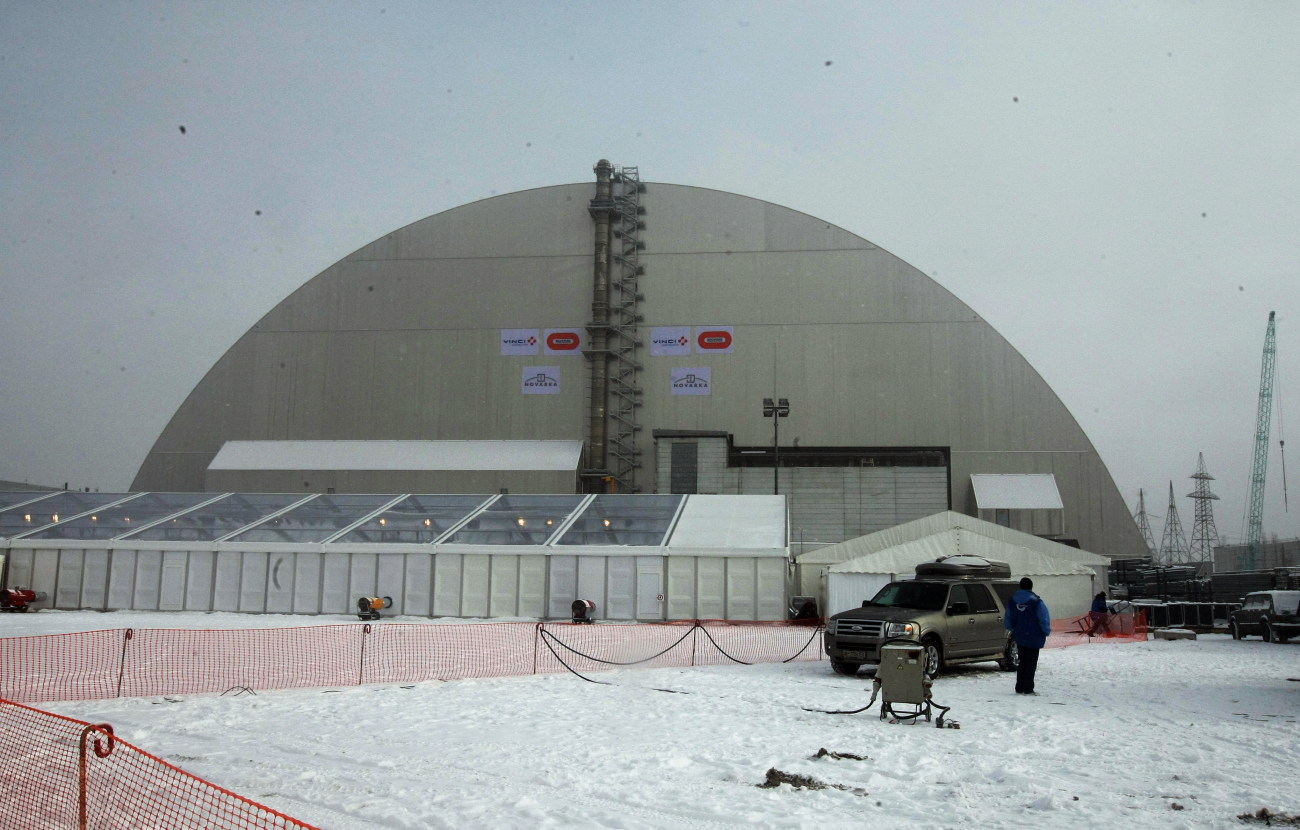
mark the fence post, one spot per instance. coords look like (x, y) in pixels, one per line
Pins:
(103, 751)
(537, 636)
(695, 636)
(121, 665)
(361, 670)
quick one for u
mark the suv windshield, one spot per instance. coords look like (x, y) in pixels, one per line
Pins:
(926, 596)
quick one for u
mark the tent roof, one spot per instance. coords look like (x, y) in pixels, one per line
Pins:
(940, 523)
(709, 525)
(731, 522)
(903, 558)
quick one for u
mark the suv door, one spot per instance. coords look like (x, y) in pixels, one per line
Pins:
(1249, 613)
(963, 636)
(990, 633)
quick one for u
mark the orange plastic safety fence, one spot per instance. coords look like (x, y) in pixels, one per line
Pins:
(143, 662)
(1075, 631)
(410, 653)
(85, 666)
(58, 773)
(180, 661)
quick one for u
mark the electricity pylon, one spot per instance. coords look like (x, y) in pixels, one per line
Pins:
(1173, 545)
(1204, 534)
(1144, 525)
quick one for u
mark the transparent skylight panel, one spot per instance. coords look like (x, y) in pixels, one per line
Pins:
(219, 518)
(315, 521)
(517, 520)
(19, 519)
(415, 520)
(9, 498)
(123, 518)
(613, 519)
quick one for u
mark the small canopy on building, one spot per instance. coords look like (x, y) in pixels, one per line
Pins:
(372, 466)
(397, 455)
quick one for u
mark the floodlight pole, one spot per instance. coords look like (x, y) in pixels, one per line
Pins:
(776, 411)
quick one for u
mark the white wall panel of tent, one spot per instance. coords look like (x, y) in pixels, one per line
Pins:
(721, 557)
(534, 585)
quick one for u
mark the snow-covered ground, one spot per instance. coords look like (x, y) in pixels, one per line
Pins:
(1168, 734)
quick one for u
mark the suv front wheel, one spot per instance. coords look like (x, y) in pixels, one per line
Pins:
(1236, 630)
(933, 656)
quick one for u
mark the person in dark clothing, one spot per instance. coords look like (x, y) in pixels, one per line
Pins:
(1099, 616)
(1028, 620)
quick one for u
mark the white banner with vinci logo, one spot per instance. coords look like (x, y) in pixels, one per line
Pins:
(520, 341)
(670, 340)
(692, 380)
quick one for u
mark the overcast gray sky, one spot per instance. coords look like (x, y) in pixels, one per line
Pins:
(1114, 186)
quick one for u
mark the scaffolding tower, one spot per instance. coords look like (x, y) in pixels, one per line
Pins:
(1173, 545)
(612, 333)
(625, 319)
(1204, 534)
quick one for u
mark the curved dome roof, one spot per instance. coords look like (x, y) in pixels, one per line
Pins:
(402, 340)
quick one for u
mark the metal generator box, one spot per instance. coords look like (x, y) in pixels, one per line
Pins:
(902, 673)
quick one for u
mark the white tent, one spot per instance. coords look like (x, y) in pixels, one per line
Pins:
(636, 556)
(845, 574)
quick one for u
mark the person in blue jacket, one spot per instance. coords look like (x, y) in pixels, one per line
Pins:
(1028, 620)
(1098, 617)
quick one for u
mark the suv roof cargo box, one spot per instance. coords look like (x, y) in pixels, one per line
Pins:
(967, 566)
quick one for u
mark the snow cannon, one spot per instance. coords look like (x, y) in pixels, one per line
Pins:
(584, 611)
(18, 599)
(368, 608)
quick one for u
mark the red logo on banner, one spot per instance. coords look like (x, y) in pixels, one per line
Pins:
(562, 341)
(714, 340)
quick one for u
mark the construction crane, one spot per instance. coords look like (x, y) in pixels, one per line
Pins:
(1255, 513)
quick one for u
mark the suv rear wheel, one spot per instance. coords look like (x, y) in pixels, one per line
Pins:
(846, 669)
(933, 656)
(1269, 635)
(1010, 656)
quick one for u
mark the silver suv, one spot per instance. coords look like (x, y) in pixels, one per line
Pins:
(954, 608)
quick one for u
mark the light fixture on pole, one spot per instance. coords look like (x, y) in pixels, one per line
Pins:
(775, 411)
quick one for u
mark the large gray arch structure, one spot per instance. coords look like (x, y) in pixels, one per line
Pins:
(401, 340)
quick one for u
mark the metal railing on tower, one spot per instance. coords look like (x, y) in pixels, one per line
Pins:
(613, 333)
(624, 324)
